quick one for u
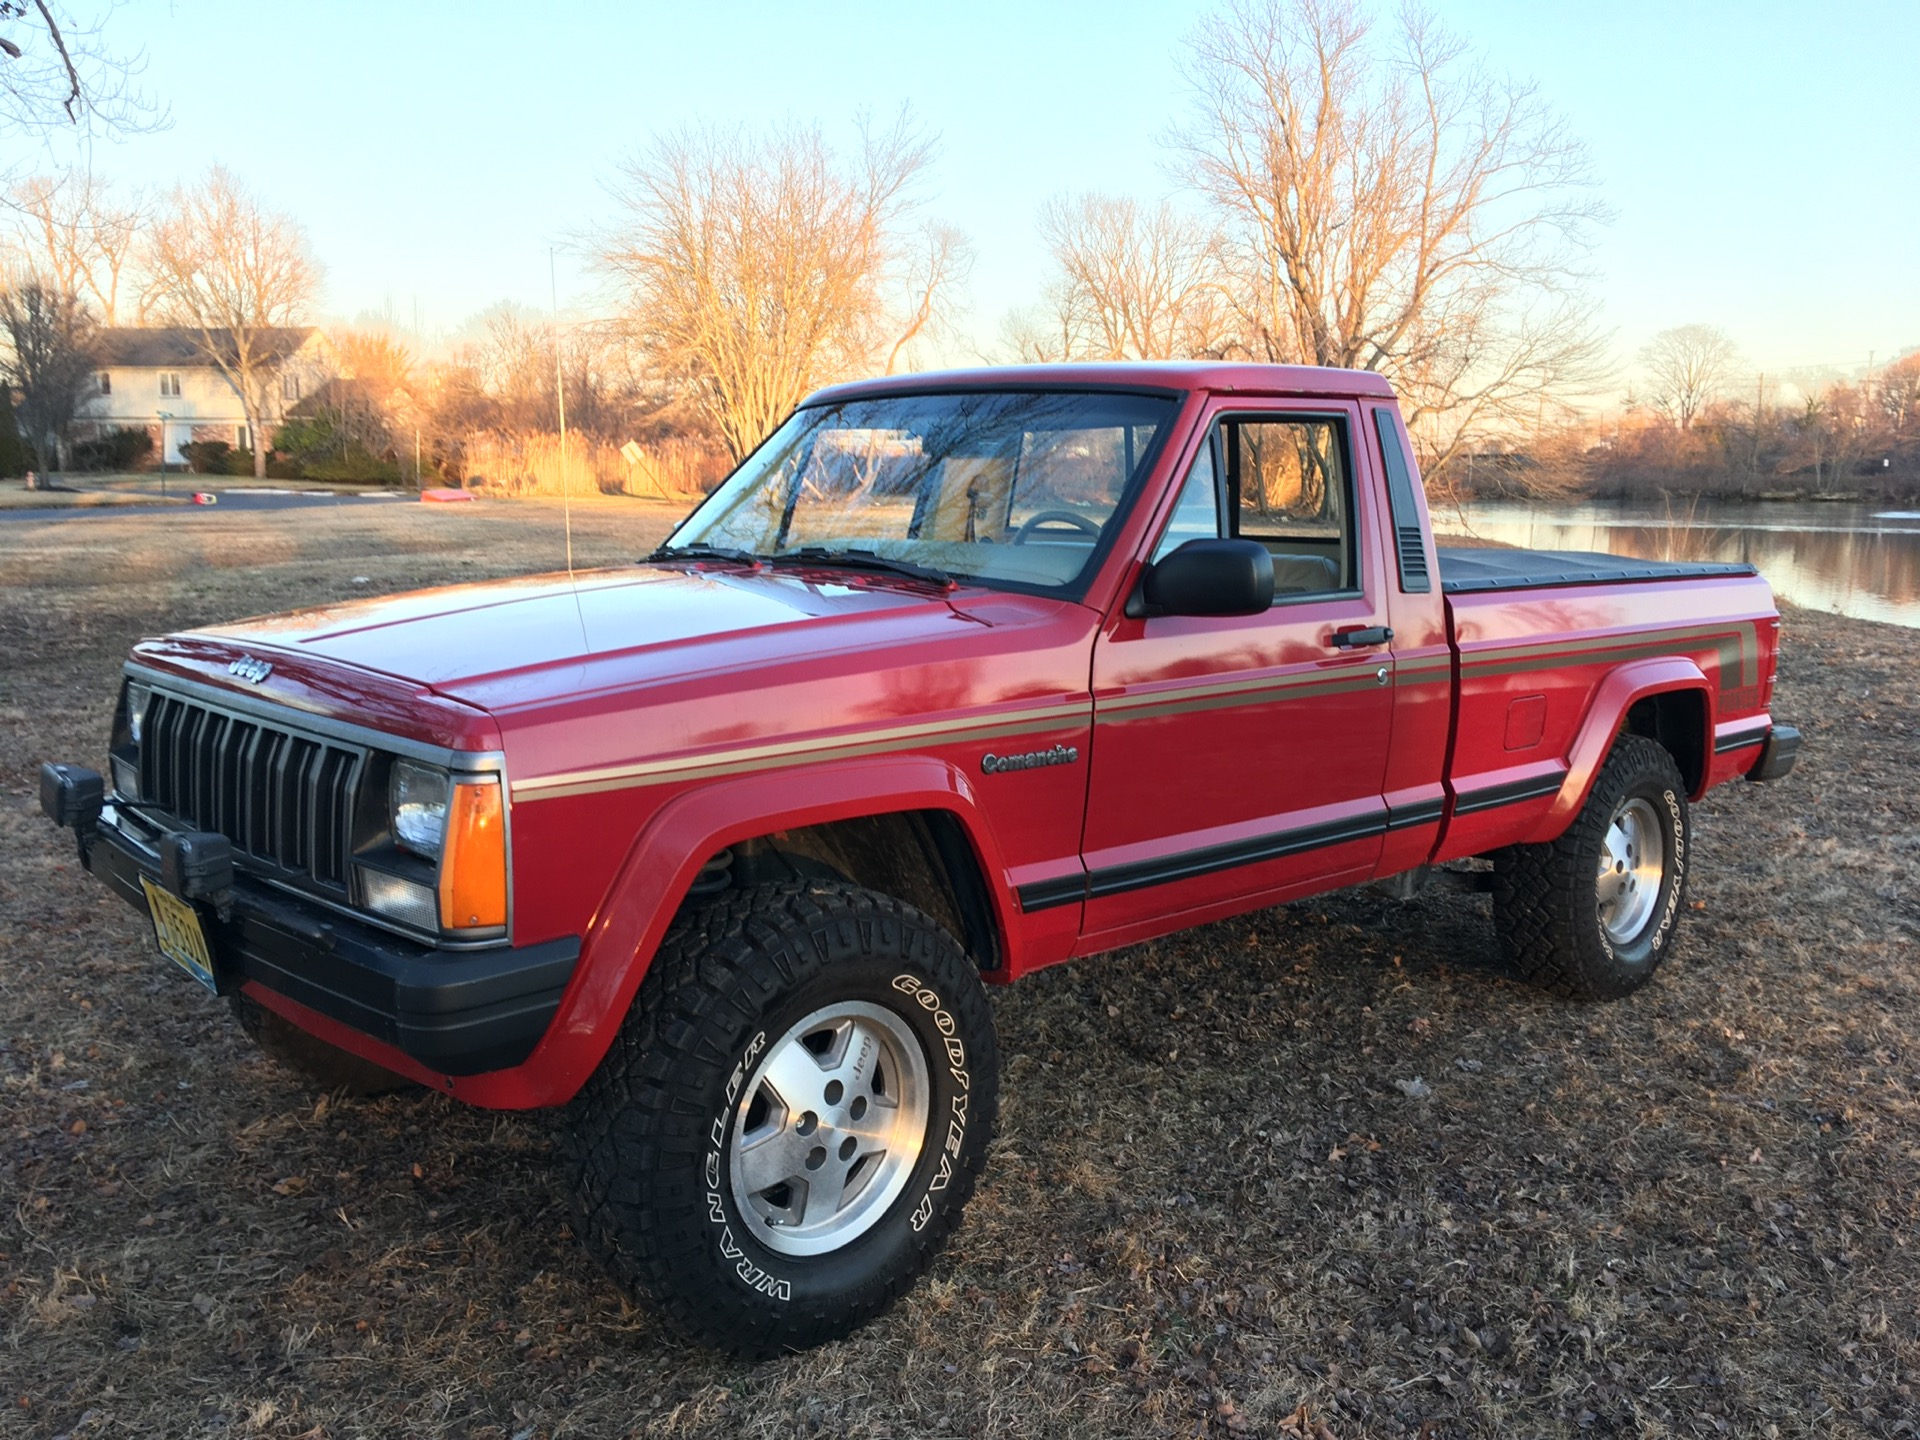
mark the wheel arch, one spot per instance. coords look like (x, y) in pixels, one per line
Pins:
(796, 815)
(1667, 699)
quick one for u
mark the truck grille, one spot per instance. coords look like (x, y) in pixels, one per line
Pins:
(282, 799)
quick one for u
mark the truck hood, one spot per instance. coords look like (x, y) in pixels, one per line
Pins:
(512, 644)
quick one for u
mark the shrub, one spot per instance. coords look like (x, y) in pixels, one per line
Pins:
(123, 448)
(318, 449)
(206, 457)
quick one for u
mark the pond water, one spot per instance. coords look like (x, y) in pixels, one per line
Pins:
(1850, 559)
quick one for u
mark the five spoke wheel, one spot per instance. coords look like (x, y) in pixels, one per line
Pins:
(829, 1126)
(1632, 862)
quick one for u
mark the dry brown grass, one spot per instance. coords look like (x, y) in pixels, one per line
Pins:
(1691, 1213)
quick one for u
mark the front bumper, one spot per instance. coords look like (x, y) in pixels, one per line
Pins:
(456, 1012)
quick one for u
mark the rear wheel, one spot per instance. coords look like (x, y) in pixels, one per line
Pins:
(1591, 914)
(787, 1127)
(326, 1065)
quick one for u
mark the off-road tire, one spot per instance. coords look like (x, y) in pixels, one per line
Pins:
(1546, 902)
(327, 1066)
(651, 1140)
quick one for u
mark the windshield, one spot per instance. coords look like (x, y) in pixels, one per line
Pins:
(995, 486)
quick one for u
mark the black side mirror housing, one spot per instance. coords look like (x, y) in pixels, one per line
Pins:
(1210, 577)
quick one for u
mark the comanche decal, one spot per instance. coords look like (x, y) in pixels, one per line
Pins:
(1032, 760)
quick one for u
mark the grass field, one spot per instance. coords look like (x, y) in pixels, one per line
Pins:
(1212, 1209)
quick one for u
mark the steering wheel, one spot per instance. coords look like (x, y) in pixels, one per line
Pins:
(1055, 517)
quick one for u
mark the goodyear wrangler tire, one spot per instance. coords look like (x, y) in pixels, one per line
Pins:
(1591, 914)
(791, 1119)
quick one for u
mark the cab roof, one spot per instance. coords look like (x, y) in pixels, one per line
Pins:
(1175, 376)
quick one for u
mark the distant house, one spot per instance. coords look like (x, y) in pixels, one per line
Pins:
(162, 381)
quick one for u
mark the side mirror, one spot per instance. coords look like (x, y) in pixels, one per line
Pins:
(1210, 577)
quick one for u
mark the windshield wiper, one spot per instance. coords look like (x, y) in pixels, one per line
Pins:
(700, 550)
(864, 560)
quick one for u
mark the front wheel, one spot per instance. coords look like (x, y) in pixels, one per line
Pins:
(792, 1117)
(1590, 915)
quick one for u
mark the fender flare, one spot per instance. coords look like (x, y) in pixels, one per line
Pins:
(647, 891)
(1617, 693)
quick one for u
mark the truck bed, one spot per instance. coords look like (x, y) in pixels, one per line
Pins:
(1471, 571)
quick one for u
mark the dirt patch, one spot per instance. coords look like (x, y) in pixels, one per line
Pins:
(1213, 1209)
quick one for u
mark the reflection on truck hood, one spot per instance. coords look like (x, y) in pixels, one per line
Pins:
(511, 643)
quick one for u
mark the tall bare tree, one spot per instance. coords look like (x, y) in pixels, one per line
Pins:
(50, 361)
(1387, 203)
(1132, 283)
(79, 235)
(1896, 390)
(239, 274)
(1686, 365)
(760, 266)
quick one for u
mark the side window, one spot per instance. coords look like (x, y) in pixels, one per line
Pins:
(1196, 514)
(1289, 486)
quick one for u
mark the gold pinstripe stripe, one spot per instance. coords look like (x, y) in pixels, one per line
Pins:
(746, 759)
(1736, 640)
(1241, 691)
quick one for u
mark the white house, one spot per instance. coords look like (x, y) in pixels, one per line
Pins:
(161, 380)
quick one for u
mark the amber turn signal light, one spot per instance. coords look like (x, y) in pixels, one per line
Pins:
(473, 864)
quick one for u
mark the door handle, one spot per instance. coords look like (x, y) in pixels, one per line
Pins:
(1352, 639)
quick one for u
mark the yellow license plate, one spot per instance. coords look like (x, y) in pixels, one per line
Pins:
(177, 928)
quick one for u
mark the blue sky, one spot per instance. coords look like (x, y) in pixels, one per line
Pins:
(1762, 159)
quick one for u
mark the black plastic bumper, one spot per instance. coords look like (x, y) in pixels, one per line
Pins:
(458, 1012)
(1777, 755)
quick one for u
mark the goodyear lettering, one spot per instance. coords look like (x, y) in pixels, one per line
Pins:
(957, 1126)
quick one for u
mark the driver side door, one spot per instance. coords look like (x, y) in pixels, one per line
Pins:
(1239, 760)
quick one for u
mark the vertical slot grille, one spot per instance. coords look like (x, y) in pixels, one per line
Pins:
(281, 798)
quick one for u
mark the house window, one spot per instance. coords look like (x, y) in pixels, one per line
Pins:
(169, 384)
(240, 437)
(289, 387)
(106, 383)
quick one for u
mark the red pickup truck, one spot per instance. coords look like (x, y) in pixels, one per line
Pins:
(955, 677)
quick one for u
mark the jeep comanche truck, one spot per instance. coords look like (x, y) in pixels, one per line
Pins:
(955, 677)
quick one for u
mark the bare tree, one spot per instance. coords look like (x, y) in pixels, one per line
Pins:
(239, 274)
(1687, 364)
(57, 73)
(1388, 204)
(760, 266)
(50, 362)
(1896, 390)
(1132, 283)
(78, 235)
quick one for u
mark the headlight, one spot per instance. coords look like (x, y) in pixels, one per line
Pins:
(126, 776)
(457, 823)
(137, 697)
(417, 799)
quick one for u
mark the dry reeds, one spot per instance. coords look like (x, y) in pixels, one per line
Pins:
(533, 464)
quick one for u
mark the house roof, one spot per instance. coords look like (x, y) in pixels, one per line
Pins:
(152, 346)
